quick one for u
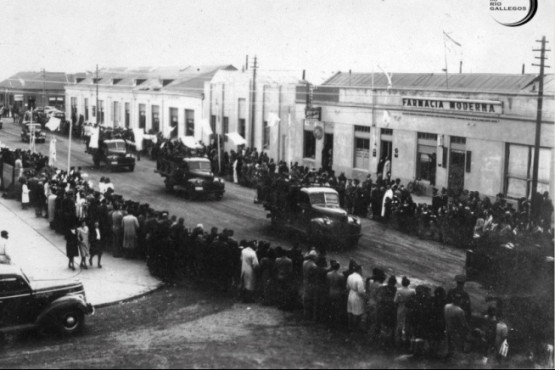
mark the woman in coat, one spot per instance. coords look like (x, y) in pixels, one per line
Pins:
(72, 247)
(84, 243)
(24, 195)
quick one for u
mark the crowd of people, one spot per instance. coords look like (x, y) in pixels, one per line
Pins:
(387, 309)
(455, 219)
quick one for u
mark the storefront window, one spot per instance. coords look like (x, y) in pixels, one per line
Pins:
(173, 122)
(362, 147)
(426, 160)
(189, 122)
(127, 115)
(242, 127)
(142, 116)
(519, 170)
(309, 144)
(226, 128)
(156, 118)
(266, 141)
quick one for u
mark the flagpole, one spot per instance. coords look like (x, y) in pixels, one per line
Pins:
(445, 55)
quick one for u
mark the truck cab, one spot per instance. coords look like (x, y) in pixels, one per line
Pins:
(192, 174)
(114, 154)
(314, 212)
(51, 304)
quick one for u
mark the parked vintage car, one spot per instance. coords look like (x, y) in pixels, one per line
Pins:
(47, 304)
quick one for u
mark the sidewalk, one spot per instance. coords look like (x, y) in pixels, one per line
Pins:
(41, 253)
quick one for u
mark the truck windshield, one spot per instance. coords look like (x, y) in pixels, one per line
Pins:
(327, 199)
(203, 166)
(116, 146)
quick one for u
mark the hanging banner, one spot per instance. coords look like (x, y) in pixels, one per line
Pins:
(52, 153)
(95, 135)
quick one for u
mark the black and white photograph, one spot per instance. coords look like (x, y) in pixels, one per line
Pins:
(277, 184)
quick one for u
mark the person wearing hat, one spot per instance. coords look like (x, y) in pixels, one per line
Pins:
(5, 257)
(356, 298)
(461, 295)
(336, 293)
(310, 285)
(372, 284)
(402, 297)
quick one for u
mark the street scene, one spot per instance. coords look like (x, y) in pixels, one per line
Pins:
(225, 200)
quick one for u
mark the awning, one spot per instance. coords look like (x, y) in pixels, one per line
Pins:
(189, 142)
(236, 138)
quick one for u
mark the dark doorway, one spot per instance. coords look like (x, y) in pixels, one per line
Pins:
(386, 149)
(327, 152)
(456, 172)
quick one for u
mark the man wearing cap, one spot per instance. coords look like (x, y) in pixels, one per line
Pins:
(461, 295)
(4, 251)
(456, 325)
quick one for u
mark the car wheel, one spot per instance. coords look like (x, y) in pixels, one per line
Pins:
(70, 321)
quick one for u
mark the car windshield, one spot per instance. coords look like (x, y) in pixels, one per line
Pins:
(116, 146)
(203, 166)
(325, 198)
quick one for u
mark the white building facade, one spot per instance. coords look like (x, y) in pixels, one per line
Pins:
(477, 135)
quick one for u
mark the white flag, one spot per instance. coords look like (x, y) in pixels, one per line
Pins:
(273, 119)
(139, 136)
(95, 135)
(386, 117)
(53, 124)
(206, 126)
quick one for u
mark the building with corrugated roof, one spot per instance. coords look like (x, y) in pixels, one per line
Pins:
(260, 115)
(461, 131)
(157, 99)
(35, 89)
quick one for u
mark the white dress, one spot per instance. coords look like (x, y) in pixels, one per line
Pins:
(355, 303)
(249, 263)
(24, 194)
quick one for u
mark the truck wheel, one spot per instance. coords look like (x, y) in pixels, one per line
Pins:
(69, 321)
(219, 196)
(131, 168)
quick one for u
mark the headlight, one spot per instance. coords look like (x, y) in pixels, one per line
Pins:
(354, 220)
(129, 155)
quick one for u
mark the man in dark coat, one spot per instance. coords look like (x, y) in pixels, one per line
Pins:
(458, 293)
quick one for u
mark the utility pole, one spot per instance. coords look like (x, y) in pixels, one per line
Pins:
(96, 83)
(253, 100)
(43, 88)
(542, 66)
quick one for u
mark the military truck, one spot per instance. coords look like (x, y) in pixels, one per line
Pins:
(114, 153)
(312, 212)
(191, 174)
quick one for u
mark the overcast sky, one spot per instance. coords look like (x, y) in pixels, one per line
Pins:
(322, 36)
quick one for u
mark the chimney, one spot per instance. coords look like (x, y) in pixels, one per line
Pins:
(523, 68)
(247, 64)
(460, 67)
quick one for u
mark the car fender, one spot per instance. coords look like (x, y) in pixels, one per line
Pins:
(65, 302)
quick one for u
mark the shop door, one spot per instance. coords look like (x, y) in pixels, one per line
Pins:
(327, 152)
(387, 150)
(456, 172)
